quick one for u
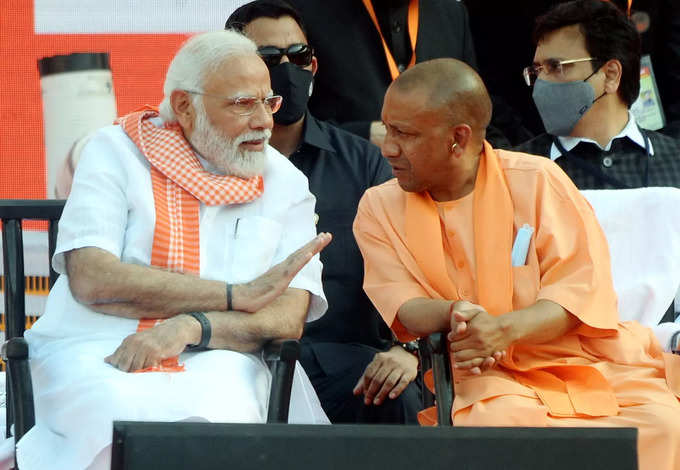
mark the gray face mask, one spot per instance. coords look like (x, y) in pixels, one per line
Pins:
(562, 105)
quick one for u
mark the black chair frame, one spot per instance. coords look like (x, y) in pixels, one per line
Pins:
(19, 389)
(433, 351)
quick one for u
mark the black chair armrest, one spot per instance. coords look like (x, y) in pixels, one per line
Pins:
(281, 356)
(425, 359)
(15, 355)
(434, 353)
(669, 316)
(443, 381)
(282, 349)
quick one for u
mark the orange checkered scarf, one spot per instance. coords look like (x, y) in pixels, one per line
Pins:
(180, 184)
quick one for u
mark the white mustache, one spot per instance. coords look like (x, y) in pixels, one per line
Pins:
(253, 135)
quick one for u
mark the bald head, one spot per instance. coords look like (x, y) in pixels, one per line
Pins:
(453, 87)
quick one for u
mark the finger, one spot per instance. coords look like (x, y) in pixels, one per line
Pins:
(147, 354)
(359, 387)
(110, 359)
(470, 363)
(459, 331)
(400, 386)
(454, 307)
(153, 359)
(465, 315)
(390, 381)
(468, 354)
(114, 357)
(488, 363)
(125, 355)
(365, 379)
(299, 258)
(371, 369)
(375, 384)
(467, 342)
(498, 355)
(314, 246)
(322, 241)
(139, 361)
(460, 305)
(123, 360)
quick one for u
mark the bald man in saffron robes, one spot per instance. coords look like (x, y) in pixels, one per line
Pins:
(502, 251)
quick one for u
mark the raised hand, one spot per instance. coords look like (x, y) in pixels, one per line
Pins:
(256, 294)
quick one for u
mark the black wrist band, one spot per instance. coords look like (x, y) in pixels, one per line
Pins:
(229, 305)
(206, 330)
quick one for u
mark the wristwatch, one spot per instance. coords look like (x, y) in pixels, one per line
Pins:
(411, 346)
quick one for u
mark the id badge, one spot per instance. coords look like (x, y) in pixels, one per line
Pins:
(647, 109)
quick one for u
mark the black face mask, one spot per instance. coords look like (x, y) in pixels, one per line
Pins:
(295, 85)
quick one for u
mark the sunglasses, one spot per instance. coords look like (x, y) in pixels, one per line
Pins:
(298, 54)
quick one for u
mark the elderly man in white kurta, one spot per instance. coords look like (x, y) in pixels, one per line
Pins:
(181, 229)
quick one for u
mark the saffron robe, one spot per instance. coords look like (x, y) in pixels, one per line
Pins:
(604, 373)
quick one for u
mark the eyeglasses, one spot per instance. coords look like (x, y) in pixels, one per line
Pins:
(552, 67)
(246, 105)
(298, 54)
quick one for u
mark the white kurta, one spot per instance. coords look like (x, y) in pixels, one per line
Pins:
(77, 394)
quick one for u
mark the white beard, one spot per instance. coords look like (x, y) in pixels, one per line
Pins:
(224, 153)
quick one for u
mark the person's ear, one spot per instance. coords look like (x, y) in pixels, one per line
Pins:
(460, 138)
(612, 75)
(315, 65)
(183, 106)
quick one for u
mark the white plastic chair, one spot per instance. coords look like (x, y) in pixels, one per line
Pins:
(642, 227)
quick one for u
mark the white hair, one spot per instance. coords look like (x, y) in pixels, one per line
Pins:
(198, 57)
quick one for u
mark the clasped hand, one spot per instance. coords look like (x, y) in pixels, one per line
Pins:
(477, 339)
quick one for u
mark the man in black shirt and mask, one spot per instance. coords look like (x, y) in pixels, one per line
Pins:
(358, 372)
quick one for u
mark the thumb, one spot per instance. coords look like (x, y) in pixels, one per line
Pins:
(465, 315)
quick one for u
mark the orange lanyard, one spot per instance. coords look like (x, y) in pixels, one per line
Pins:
(412, 32)
(630, 5)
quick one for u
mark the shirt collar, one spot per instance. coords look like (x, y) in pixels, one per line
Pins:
(631, 130)
(315, 136)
